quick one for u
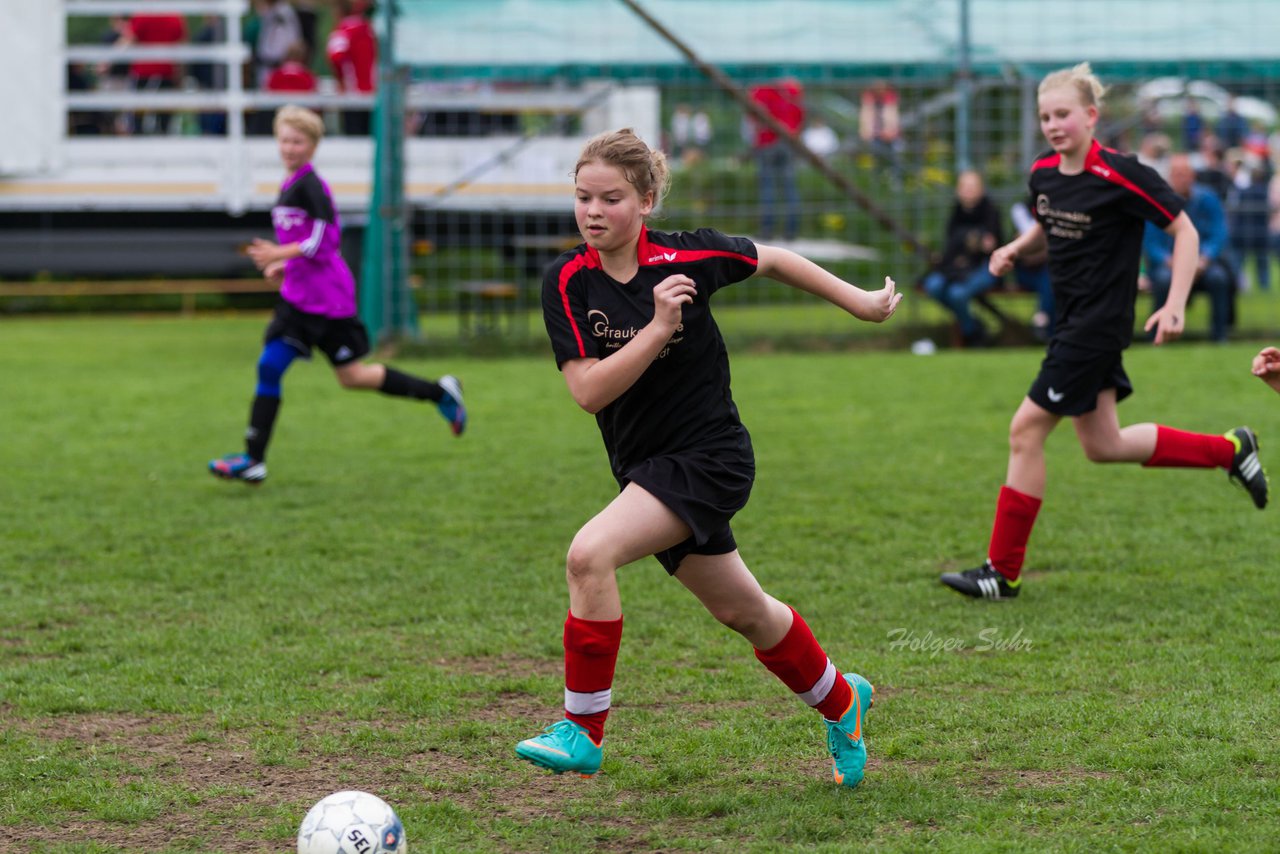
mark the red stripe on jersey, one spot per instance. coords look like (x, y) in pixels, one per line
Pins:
(1093, 163)
(566, 273)
(1047, 162)
(651, 254)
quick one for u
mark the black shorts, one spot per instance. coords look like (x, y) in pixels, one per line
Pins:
(342, 339)
(705, 488)
(1071, 377)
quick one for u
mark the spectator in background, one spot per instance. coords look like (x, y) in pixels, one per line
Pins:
(1232, 127)
(353, 52)
(308, 22)
(278, 30)
(1213, 274)
(293, 75)
(1248, 226)
(690, 134)
(154, 76)
(113, 76)
(1192, 125)
(1210, 170)
(879, 125)
(1273, 218)
(775, 160)
(211, 76)
(973, 231)
(1153, 151)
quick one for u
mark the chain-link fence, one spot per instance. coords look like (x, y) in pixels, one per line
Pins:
(885, 139)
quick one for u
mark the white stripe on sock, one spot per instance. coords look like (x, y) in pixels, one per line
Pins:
(587, 703)
(822, 687)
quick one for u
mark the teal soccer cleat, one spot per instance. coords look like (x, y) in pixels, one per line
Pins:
(844, 737)
(563, 746)
(451, 406)
(239, 467)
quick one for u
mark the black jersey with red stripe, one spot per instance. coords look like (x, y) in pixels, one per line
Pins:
(1094, 223)
(682, 400)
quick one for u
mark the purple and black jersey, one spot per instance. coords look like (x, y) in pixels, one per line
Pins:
(1094, 222)
(682, 401)
(319, 281)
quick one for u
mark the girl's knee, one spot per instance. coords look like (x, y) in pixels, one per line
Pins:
(584, 559)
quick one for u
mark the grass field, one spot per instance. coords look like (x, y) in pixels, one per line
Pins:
(186, 664)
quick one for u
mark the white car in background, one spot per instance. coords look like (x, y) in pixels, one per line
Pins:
(1170, 94)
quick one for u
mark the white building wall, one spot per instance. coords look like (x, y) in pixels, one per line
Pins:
(31, 85)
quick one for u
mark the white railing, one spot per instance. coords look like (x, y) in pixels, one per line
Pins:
(236, 172)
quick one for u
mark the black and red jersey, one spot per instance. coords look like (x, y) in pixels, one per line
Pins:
(1094, 223)
(682, 400)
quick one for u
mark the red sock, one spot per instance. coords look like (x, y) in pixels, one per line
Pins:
(590, 654)
(1180, 449)
(803, 667)
(1015, 517)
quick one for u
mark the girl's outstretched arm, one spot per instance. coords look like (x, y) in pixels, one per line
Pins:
(799, 272)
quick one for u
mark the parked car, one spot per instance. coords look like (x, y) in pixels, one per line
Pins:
(1169, 96)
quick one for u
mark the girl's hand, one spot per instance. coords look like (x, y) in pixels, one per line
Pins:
(263, 252)
(1266, 366)
(880, 305)
(274, 272)
(1002, 260)
(668, 297)
(1167, 323)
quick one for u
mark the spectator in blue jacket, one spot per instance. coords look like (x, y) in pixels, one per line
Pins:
(1213, 274)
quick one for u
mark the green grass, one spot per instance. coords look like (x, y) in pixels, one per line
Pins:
(186, 665)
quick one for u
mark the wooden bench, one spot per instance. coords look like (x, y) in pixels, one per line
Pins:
(188, 289)
(490, 301)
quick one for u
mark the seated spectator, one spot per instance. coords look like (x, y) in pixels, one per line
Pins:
(973, 231)
(1213, 274)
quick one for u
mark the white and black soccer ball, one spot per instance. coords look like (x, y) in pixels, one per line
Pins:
(351, 823)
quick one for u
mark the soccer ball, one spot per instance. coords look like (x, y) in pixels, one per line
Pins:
(351, 823)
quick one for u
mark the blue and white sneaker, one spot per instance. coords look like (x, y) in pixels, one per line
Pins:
(239, 467)
(563, 746)
(844, 737)
(451, 406)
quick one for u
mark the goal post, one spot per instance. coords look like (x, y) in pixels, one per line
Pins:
(387, 307)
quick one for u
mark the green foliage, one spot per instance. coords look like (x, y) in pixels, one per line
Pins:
(186, 664)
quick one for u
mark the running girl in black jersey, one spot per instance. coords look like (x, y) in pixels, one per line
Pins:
(317, 305)
(628, 312)
(1090, 204)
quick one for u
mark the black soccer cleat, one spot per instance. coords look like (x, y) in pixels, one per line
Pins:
(982, 582)
(1246, 469)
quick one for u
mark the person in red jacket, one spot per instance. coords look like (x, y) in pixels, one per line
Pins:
(353, 53)
(152, 75)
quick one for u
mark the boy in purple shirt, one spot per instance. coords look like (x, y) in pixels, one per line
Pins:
(317, 305)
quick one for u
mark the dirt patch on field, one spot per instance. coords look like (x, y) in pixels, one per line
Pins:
(223, 797)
